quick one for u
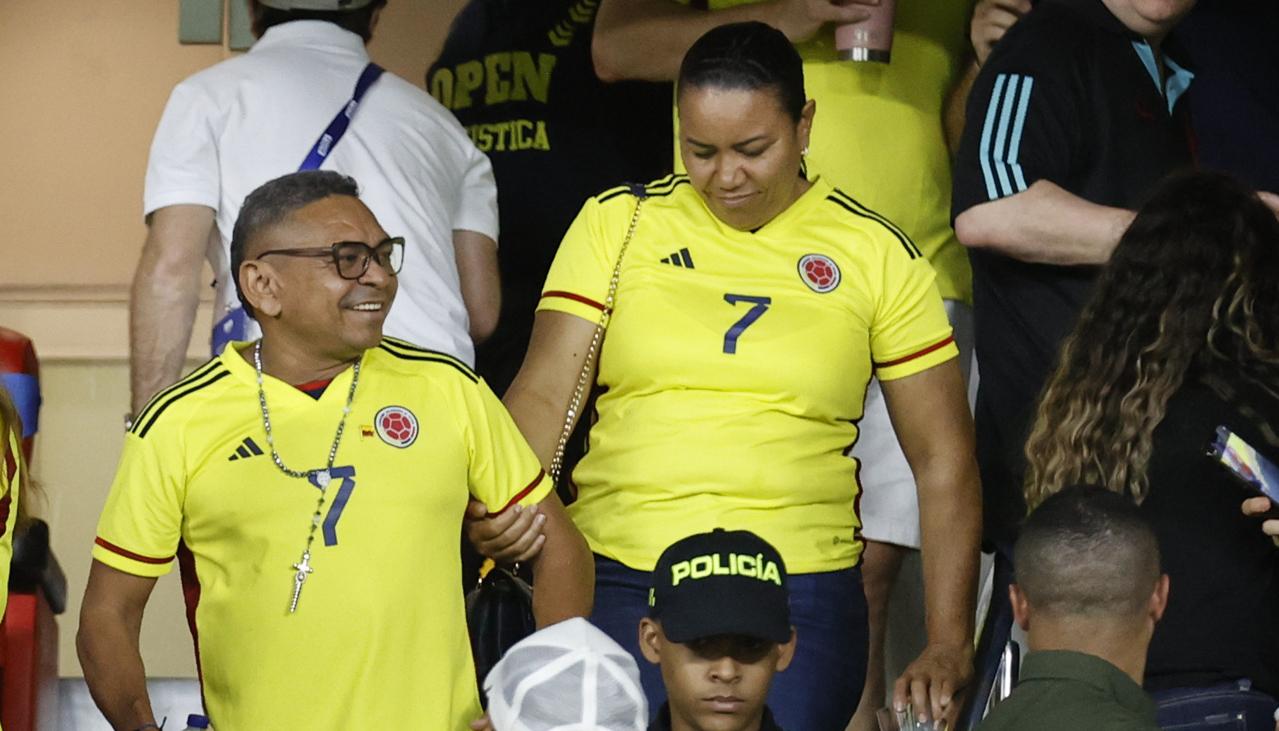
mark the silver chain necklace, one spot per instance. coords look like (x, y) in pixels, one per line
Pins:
(320, 477)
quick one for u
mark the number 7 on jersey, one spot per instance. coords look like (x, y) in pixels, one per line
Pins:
(761, 305)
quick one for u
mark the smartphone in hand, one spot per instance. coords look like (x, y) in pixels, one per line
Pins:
(1257, 474)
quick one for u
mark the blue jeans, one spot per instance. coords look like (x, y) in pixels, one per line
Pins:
(820, 689)
(1222, 707)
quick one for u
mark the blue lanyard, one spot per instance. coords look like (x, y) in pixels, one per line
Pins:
(337, 127)
(235, 324)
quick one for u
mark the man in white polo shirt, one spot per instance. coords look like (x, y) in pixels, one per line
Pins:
(230, 128)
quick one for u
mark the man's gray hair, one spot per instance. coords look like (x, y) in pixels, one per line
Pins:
(275, 201)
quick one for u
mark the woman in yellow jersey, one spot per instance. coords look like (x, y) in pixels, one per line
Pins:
(750, 298)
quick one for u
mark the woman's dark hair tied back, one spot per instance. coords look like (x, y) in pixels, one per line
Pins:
(747, 56)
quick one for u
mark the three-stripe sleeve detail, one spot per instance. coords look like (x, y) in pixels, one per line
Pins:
(848, 203)
(661, 187)
(160, 397)
(1001, 135)
(185, 387)
(1014, 147)
(405, 350)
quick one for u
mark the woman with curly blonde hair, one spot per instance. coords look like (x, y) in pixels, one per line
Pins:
(1182, 336)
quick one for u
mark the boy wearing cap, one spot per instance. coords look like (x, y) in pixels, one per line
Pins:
(719, 628)
(569, 676)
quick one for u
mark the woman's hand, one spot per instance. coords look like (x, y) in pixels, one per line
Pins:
(933, 682)
(930, 415)
(511, 537)
(1258, 506)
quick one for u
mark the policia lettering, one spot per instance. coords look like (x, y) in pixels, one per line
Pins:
(508, 76)
(739, 564)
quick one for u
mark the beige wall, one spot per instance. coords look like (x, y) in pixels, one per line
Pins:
(83, 83)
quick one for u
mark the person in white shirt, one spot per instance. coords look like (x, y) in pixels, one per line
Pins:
(232, 127)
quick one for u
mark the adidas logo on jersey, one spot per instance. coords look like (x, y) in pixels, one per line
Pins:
(248, 448)
(680, 258)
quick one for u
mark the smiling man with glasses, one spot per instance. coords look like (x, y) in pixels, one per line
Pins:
(310, 485)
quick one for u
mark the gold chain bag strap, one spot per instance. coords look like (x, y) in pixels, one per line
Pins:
(499, 611)
(584, 378)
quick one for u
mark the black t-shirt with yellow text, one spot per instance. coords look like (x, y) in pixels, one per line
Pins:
(518, 75)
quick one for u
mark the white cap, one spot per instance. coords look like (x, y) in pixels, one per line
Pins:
(567, 677)
(330, 5)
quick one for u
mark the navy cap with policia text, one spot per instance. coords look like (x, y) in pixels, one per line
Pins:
(721, 583)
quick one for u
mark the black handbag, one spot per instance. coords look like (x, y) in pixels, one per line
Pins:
(499, 613)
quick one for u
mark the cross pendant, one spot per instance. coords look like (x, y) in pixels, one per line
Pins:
(303, 568)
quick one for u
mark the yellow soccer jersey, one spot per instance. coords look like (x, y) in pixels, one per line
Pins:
(878, 131)
(11, 477)
(735, 365)
(379, 637)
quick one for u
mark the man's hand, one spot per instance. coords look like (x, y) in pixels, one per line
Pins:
(482, 724)
(512, 537)
(933, 681)
(1260, 506)
(991, 20)
(800, 20)
(647, 39)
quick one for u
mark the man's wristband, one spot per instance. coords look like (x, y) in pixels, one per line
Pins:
(152, 726)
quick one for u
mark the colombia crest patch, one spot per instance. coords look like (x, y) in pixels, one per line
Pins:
(396, 425)
(819, 272)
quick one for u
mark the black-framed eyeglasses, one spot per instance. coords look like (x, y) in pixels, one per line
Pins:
(352, 257)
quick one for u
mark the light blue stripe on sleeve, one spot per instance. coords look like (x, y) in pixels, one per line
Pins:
(1001, 138)
(983, 155)
(1015, 146)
